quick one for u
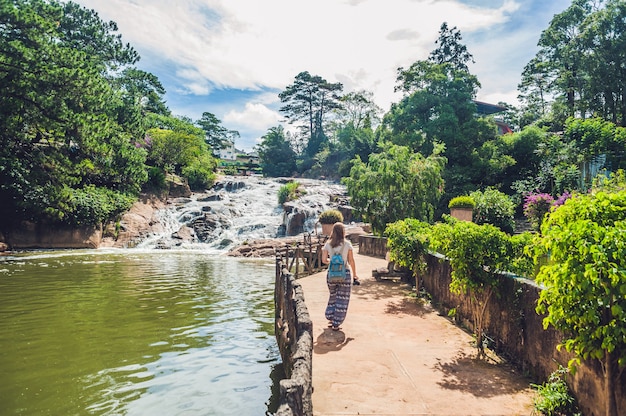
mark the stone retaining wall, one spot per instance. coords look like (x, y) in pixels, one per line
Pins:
(294, 334)
(373, 246)
(515, 330)
(30, 235)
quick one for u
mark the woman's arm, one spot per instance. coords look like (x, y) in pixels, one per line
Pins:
(325, 259)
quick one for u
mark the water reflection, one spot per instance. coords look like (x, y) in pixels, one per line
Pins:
(136, 333)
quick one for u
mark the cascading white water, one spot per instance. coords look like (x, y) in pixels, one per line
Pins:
(239, 209)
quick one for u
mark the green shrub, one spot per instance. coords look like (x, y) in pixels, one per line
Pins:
(199, 173)
(407, 241)
(156, 179)
(495, 208)
(477, 253)
(553, 397)
(92, 205)
(584, 281)
(464, 201)
(522, 262)
(330, 216)
(288, 192)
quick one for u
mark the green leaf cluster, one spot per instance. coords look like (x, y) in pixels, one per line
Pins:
(408, 242)
(288, 192)
(476, 253)
(584, 280)
(463, 201)
(61, 129)
(330, 216)
(277, 156)
(554, 397)
(494, 207)
(74, 115)
(395, 184)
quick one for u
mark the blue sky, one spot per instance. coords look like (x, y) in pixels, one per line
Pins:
(233, 57)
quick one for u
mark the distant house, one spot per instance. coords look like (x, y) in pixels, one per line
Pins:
(485, 109)
(229, 152)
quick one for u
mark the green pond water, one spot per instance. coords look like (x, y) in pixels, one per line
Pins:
(134, 332)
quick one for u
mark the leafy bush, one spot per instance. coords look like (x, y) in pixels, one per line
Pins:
(156, 179)
(407, 241)
(92, 206)
(395, 184)
(288, 192)
(585, 280)
(464, 201)
(495, 208)
(199, 172)
(330, 216)
(476, 254)
(522, 263)
(553, 397)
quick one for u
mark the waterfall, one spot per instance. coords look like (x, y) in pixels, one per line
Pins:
(239, 209)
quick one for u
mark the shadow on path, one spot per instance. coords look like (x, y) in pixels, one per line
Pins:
(330, 340)
(389, 289)
(479, 377)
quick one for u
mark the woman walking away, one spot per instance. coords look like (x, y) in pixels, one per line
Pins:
(338, 254)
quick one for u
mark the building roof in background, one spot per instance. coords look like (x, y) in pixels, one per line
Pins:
(486, 108)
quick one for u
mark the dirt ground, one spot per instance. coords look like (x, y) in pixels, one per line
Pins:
(395, 355)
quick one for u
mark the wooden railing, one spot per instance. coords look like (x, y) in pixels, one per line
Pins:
(294, 335)
(305, 257)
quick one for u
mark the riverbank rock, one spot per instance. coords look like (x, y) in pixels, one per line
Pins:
(268, 247)
(136, 224)
(263, 247)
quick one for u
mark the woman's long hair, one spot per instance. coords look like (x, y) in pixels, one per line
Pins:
(338, 234)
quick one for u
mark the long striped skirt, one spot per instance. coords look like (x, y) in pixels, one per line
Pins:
(338, 300)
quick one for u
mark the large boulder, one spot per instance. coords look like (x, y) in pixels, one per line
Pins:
(136, 224)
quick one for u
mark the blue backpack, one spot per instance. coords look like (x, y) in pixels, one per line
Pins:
(336, 269)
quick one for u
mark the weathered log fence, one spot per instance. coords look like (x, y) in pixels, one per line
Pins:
(303, 258)
(294, 333)
(293, 325)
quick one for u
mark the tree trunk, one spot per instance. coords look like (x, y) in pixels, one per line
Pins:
(609, 384)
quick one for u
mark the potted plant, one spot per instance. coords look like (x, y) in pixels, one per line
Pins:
(328, 218)
(462, 207)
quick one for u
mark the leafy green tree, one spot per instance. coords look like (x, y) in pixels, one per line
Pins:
(450, 49)
(603, 41)
(310, 100)
(358, 110)
(408, 242)
(578, 65)
(141, 94)
(585, 281)
(217, 136)
(438, 110)
(534, 90)
(59, 125)
(495, 208)
(394, 185)
(599, 142)
(277, 156)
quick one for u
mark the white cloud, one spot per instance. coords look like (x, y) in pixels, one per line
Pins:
(254, 116)
(262, 45)
(247, 44)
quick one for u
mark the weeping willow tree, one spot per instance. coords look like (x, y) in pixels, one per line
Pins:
(395, 184)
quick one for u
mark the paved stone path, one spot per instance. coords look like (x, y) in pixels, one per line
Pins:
(395, 355)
